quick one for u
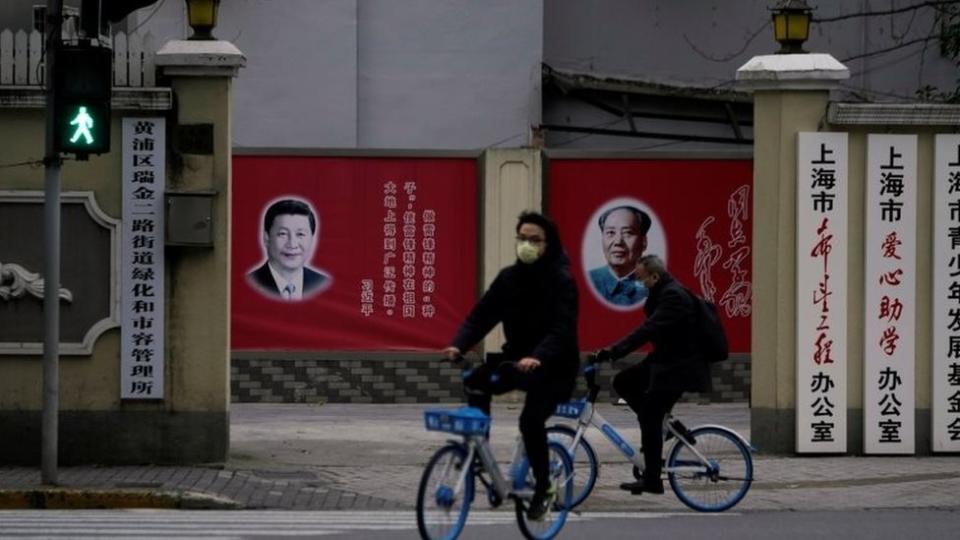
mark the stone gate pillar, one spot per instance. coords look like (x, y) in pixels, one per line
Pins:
(512, 182)
(198, 317)
(791, 93)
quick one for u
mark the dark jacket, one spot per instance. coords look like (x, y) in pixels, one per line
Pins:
(313, 281)
(537, 304)
(675, 363)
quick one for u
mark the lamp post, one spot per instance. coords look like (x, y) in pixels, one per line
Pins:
(202, 17)
(791, 25)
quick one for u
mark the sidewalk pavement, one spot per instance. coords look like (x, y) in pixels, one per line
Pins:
(359, 456)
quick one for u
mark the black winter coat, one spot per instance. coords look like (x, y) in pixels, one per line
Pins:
(675, 363)
(537, 304)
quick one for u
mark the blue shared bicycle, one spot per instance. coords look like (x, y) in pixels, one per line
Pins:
(449, 481)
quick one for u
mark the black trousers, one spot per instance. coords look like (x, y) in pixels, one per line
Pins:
(651, 406)
(542, 397)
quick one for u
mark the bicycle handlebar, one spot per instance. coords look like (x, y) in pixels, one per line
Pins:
(466, 366)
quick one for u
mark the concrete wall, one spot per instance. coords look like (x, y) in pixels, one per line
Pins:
(780, 115)
(84, 381)
(379, 73)
(191, 423)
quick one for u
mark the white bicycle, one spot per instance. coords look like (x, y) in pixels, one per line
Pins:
(709, 467)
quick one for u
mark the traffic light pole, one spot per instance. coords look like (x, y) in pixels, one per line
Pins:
(51, 259)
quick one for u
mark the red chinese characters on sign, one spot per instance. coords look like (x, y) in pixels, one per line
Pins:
(821, 295)
(890, 307)
(736, 299)
(704, 239)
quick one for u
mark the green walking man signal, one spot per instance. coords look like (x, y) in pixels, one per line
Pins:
(84, 122)
(82, 89)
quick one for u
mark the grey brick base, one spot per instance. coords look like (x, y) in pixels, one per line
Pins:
(411, 379)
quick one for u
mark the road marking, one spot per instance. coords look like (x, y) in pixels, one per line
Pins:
(234, 524)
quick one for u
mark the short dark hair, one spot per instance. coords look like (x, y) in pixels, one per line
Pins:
(653, 264)
(642, 218)
(289, 206)
(538, 219)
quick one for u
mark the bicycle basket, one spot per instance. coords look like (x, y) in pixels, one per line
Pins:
(570, 409)
(463, 421)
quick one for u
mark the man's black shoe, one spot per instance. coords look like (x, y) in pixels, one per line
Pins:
(643, 486)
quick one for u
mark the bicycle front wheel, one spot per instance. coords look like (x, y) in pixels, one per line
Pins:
(586, 466)
(442, 508)
(719, 481)
(561, 474)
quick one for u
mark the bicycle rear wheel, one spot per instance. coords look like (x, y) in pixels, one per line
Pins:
(586, 466)
(561, 473)
(442, 511)
(722, 481)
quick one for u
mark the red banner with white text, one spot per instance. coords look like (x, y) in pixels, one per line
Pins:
(699, 218)
(358, 253)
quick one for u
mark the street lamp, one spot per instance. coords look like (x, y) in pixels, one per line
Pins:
(202, 16)
(791, 25)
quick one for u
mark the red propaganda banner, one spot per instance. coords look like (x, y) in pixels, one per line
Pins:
(696, 214)
(351, 253)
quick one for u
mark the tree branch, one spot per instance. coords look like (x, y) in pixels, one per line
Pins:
(895, 47)
(930, 3)
(730, 56)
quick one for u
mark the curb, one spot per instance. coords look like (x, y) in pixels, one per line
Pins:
(86, 499)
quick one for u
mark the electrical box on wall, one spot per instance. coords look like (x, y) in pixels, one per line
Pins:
(190, 218)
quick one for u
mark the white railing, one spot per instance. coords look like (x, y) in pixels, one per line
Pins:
(21, 59)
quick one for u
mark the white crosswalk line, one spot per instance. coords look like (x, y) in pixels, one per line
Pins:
(235, 524)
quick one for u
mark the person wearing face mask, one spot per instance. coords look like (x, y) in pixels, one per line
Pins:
(289, 229)
(536, 300)
(676, 365)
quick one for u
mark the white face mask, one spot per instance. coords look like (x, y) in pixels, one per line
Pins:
(527, 252)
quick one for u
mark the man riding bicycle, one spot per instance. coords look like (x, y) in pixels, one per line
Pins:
(536, 300)
(676, 365)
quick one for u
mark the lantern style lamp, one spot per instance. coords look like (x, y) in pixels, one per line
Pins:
(202, 16)
(791, 25)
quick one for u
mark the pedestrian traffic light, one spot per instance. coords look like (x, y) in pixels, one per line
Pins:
(82, 89)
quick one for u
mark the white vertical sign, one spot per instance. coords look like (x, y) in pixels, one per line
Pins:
(945, 368)
(142, 293)
(821, 292)
(890, 299)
